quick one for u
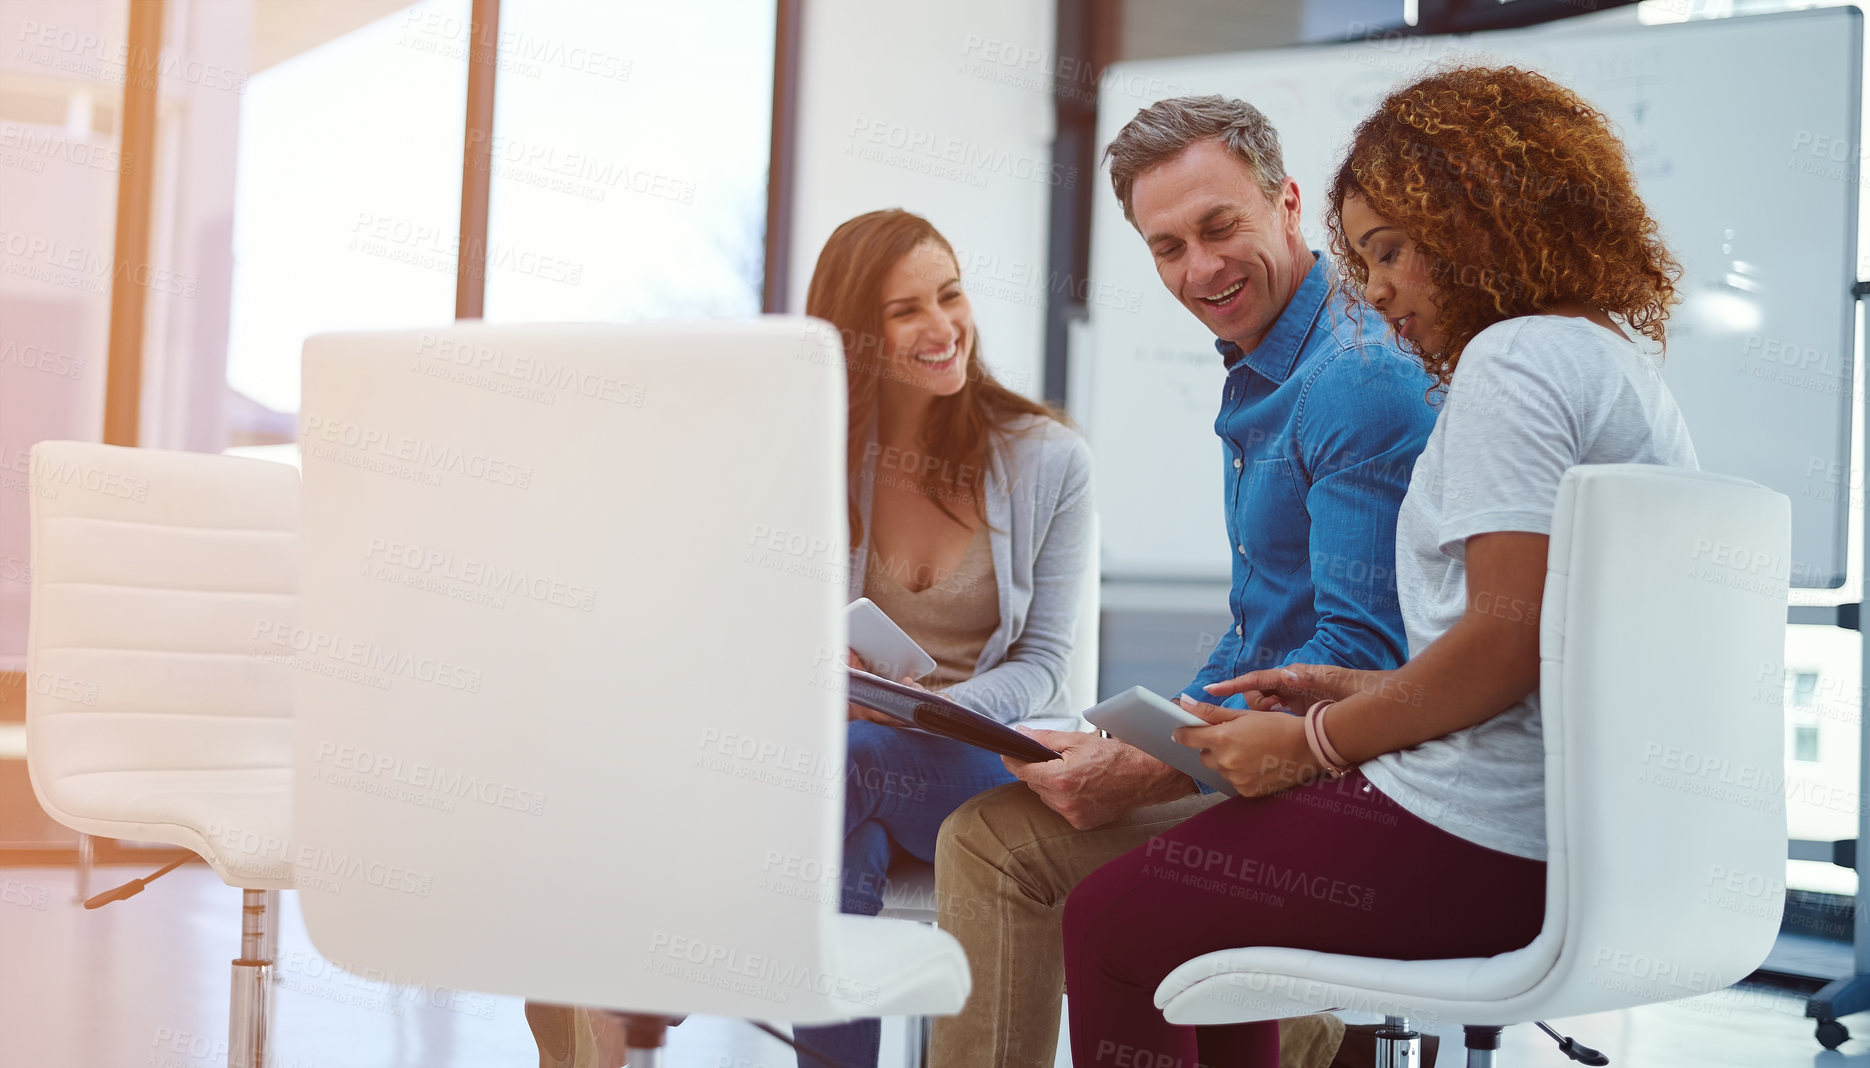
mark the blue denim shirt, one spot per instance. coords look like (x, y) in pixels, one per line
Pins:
(1320, 427)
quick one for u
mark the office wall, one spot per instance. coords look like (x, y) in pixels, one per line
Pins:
(946, 110)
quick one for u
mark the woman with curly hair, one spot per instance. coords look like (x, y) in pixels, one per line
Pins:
(1490, 216)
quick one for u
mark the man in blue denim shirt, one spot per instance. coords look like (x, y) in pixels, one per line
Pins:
(1321, 420)
(1320, 427)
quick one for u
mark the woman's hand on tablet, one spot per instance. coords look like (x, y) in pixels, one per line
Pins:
(1297, 687)
(1260, 752)
(858, 711)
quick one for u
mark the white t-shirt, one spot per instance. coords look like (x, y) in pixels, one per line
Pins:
(1531, 397)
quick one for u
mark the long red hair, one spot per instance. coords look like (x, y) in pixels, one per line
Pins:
(847, 292)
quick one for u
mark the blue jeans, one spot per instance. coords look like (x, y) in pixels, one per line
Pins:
(899, 786)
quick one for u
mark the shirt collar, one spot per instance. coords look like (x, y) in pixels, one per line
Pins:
(1278, 352)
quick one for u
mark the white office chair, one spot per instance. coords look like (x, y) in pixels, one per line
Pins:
(598, 574)
(1664, 602)
(156, 713)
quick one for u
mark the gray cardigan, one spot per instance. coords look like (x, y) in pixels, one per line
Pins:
(1039, 514)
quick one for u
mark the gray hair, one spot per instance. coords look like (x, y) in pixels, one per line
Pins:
(1165, 129)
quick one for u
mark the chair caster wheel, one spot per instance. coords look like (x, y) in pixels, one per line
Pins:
(1832, 1034)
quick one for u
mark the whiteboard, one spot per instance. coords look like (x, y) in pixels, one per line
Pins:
(1744, 137)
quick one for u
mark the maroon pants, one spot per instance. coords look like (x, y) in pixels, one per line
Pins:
(1333, 866)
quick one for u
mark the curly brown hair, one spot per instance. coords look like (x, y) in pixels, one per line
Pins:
(1519, 195)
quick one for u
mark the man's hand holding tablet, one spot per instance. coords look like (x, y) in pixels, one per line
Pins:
(1099, 780)
(1153, 725)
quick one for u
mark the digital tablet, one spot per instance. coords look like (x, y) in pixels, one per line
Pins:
(1148, 722)
(886, 649)
(938, 715)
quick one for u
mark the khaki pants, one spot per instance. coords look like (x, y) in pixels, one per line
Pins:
(1003, 866)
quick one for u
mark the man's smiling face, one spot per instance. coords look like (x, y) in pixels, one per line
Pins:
(1230, 255)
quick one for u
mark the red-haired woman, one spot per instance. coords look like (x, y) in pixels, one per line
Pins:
(970, 525)
(1489, 214)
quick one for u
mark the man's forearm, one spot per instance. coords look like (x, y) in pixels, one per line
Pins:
(1158, 782)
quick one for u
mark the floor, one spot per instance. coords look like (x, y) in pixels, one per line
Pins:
(143, 983)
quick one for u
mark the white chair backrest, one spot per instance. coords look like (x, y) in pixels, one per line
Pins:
(582, 592)
(156, 579)
(1662, 643)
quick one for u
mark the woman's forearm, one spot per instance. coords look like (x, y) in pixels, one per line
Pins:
(1480, 668)
(1015, 688)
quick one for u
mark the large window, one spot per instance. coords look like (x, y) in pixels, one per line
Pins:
(348, 199)
(628, 153)
(629, 160)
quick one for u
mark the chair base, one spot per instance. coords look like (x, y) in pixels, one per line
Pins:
(85, 857)
(916, 1041)
(644, 1036)
(1482, 1043)
(1397, 1045)
(250, 1011)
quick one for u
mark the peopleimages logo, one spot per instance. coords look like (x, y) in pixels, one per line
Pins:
(90, 267)
(421, 775)
(89, 55)
(49, 476)
(1196, 859)
(531, 370)
(515, 49)
(438, 248)
(404, 456)
(1740, 567)
(315, 868)
(41, 359)
(968, 159)
(55, 145)
(1617, 969)
(750, 973)
(25, 895)
(579, 173)
(513, 581)
(61, 688)
(366, 656)
(351, 983)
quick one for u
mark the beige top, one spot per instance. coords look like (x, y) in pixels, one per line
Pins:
(952, 618)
